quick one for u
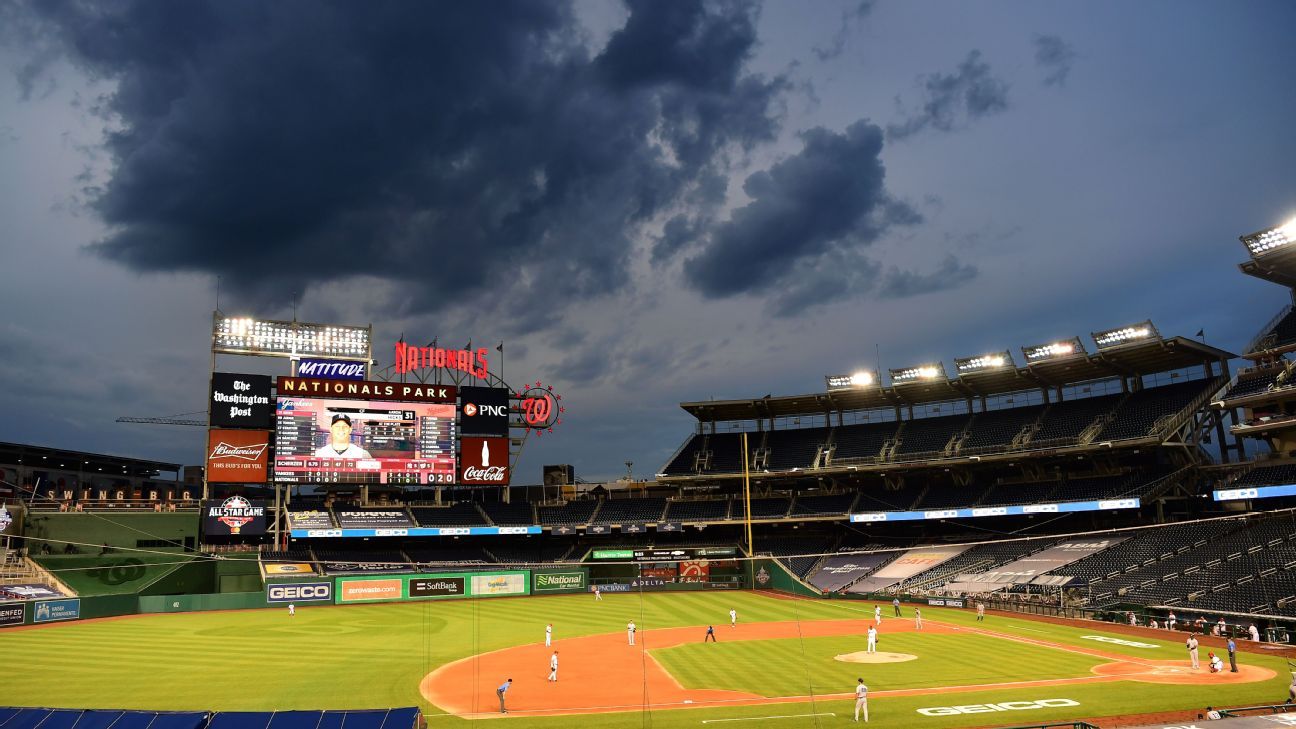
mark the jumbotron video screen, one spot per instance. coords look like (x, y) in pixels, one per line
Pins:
(358, 441)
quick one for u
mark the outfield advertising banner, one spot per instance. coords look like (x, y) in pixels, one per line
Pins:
(559, 581)
(52, 610)
(300, 592)
(11, 614)
(502, 584)
(905, 566)
(1061, 507)
(437, 586)
(369, 590)
(279, 569)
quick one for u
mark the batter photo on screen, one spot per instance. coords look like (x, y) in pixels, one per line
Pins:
(339, 444)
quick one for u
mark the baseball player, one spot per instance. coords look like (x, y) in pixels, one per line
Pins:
(598, 594)
(1191, 643)
(733, 618)
(549, 635)
(630, 631)
(553, 667)
(872, 639)
(504, 687)
(1291, 690)
(710, 634)
(1216, 664)
(877, 614)
(292, 610)
(1171, 620)
(917, 619)
(861, 699)
(980, 611)
(895, 605)
(1254, 632)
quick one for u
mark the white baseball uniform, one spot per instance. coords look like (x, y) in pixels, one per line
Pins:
(733, 618)
(630, 631)
(553, 667)
(292, 609)
(548, 635)
(877, 614)
(917, 619)
(861, 701)
(1192, 651)
(872, 639)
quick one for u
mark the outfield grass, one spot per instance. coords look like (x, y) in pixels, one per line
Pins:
(374, 656)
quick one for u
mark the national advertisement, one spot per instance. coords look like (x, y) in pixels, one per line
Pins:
(556, 581)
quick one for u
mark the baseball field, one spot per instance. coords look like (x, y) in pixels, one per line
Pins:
(788, 662)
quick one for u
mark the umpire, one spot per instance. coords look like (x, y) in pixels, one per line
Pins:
(1232, 649)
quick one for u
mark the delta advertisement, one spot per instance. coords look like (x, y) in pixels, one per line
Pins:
(439, 586)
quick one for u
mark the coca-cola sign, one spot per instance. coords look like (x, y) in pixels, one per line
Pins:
(237, 456)
(484, 461)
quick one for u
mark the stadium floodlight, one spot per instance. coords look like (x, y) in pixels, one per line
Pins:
(1267, 240)
(984, 362)
(918, 373)
(1143, 331)
(1061, 349)
(862, 378)
(291, 339)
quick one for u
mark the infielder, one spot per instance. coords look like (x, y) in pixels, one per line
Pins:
(861, 699)
(733, 618)
(980, 611)
(292, 610)
(872, 639)
(1192, 650)
(877, 614)
(917, 619)
(553, 667)
(504, 687)
(630, 631)
(548, 635)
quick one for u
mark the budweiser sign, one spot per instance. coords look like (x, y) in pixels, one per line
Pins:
(237, 456)
(484, 461)
(225, 450)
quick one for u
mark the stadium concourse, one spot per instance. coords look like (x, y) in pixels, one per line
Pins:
(1107, 485)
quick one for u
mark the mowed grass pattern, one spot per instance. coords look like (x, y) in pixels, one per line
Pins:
(375, 655)
(805, 667)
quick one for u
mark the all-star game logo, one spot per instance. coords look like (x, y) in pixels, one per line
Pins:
(762, 577)
(541, 408)
(235, 513)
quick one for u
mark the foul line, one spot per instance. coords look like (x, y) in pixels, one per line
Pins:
(760, 718)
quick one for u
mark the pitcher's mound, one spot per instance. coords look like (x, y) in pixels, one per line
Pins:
(879, 657)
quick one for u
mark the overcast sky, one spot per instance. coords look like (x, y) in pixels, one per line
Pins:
(648, 202)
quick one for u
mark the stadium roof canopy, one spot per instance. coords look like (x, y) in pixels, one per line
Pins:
(31, 456)
(1128, 360)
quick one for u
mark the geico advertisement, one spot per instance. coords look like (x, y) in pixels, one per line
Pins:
(300, 592)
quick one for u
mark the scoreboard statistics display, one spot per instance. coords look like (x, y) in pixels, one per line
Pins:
(321, 440)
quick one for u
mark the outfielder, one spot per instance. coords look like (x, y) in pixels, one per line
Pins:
(598, 595)
(553, 667)
(877, 614)
(733, 618)
(630, 631)
(292, 610)
(1192, 650)
(861, 700)
(872, 639)
(917, 619)
(549, 635)
(980, 611)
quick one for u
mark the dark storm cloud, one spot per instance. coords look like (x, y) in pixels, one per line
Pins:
(951, 273)
(849, 18)
(454, 149)
(1054, 56)
(827, 198)
(952, 101)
